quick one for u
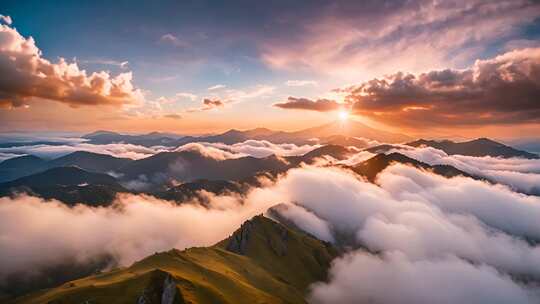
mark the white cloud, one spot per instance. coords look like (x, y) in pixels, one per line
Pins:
(300, 83)
(217, 87)
(393, 279)
(519, 173)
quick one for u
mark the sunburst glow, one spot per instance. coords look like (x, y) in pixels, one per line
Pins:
(343, 115)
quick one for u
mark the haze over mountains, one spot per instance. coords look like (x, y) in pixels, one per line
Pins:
(264, 260)
(323, 133)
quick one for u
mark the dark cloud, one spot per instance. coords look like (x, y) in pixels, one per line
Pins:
(213, 103)
(173, 116)
(24, 74)
(209, 104)
(504, 89)
(319, 105)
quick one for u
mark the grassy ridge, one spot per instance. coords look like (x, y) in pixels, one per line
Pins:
(262, 262)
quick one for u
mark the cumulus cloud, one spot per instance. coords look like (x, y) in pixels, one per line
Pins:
(478, 95)
(423, 217)
(319, 105)
(26, 74)
(393, 278)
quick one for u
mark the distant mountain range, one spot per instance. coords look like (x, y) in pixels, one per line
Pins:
(322, 134)
(262, 262)
(85, 177)
(478, 147)
(82, 176)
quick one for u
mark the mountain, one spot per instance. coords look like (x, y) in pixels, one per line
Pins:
(262, 262)
(477, 147)
(373, 166)
(90, 161)
(147, 140)
(351, 128)
(188, 166)
(335, 151)
(190, 190)
(17, 167)
(70, 185)
(323, 133)
(346, 141)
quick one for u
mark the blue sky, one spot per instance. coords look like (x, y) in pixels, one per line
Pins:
(256, 50)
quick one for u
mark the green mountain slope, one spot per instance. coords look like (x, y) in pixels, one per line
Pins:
(262, 262)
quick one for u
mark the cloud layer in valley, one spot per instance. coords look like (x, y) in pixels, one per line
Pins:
(520, 174)
(420, 223)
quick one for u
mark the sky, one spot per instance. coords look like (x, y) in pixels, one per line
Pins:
(468, 68)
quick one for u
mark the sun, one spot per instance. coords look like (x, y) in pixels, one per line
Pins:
(343, 115)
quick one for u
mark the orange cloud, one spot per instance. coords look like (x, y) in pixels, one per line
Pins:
(24, 74)
(504, 89)
(319, 105)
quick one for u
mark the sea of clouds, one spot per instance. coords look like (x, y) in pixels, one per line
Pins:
(412, 236)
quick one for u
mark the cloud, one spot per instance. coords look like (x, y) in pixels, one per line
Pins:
(300, 83)
(120, 64)
(174, 41)
(264, 148)
(173, 116)
(305, 220)
(475, 96)
(26, 74)
(128, 231)
(213, 103)
(209, 151)
(432, 239)
(393, 278)
(209, 104)
(426, 218)
(255, 148)
(217, 87)
(319, 105)
(6, 19)
(369, 39)
(518, 173)
(54, 151)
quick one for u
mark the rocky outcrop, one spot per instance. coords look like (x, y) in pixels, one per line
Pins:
(169, 291)
(239, 240)
(161, 290)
